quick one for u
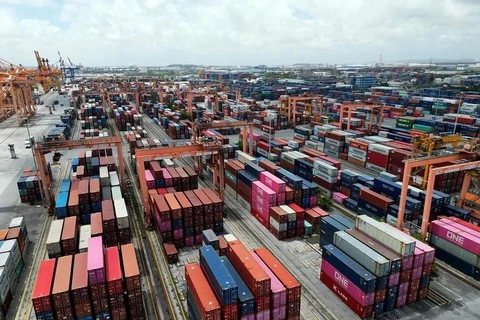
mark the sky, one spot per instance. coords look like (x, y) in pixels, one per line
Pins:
(238, 32)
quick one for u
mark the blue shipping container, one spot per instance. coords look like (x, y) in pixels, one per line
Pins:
(362, 210)
(451, 210)
(253, 169)
(349, 176)
(304, 164)
(384, 186)
(246, 300)
(222, 282)
(458, 264)
(350, 204)
(65, 185)
(351, 269)
(246, 177)
(347, 223)
(61, 205)
(292, 180)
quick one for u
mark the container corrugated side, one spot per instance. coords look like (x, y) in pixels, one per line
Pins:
(61, 288)
(394, 239)
(41, 294)
(121, 213)
(203, 294)
(54, 247)
(371, 260)
(279, 292)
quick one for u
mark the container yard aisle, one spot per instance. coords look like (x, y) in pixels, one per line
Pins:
(156, 302)
(300, 258)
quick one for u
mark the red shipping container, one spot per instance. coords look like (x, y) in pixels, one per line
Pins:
(61, 288)
(96, 224)
(378, 159)
(361, 311)
(132, 282)
(375, 199)
(253, 275)
(69, 239)
(207, 203)
(291, 284)
(217, 202)
(115, 284)
(41, 294)
(204, 297)
(79, 287)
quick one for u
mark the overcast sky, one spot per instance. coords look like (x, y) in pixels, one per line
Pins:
(238, 32)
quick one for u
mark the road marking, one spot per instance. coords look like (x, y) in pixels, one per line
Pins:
(429, 303)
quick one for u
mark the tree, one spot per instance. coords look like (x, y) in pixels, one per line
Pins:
(324, 202)
(184, 115)
(240, 144)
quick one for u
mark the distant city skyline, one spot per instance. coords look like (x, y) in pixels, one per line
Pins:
(244, 32)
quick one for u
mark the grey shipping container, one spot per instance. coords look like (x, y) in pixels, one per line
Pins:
(371, 260)
(455, 251)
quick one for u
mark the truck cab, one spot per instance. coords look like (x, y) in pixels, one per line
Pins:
(29, 142)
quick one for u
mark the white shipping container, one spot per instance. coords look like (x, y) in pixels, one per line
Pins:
(19, 222)
(116, 193)
(374, 167)
(357, 153)
(291, 214)
(229, 237)
(324, 176)
(378, 148)
(382, 134)
(334, 142)
(244, 157)
(53, 240)
(166, 163)
(114, 181)
(121, 213)
(262, 152)
(85, 235)
(367, 257)
(278, 226)
(325, 167)
(300, 155)
(8, 265)
(12, 247)
(393, 239)
(104, 177)
(311, 144)
(331, 153)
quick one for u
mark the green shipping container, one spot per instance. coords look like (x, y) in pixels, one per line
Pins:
(308, 228)
(422, 128)
(404, 126)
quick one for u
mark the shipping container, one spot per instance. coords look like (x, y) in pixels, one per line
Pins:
(84, 236)
(394, 239)
(96, 268)
(132, 282)
(61, 288)
(253, 275)
(289, 282)
(371, 260)
(69, 236)
(204, 297)
(41, 294)
(246, 300)
(54, 247)
(115, 287)
(79, 287)
(456, 236)
(278, 291)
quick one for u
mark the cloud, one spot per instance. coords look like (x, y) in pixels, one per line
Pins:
(159, 32)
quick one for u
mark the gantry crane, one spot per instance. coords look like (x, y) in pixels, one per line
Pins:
(196, 150)
(288, 106)
(374, 110)
(42, 148)
(472, 165)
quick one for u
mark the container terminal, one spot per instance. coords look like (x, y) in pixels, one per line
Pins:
(129, 197)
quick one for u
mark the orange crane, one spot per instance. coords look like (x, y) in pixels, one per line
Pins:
(196, 150)
(414, 163)
(374, 109)
(288, 106)
(42, 148)
(161, 90)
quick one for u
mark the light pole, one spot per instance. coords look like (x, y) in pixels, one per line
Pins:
(458, 111)
(34, 160)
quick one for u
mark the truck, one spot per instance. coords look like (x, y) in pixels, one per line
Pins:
(29, 142)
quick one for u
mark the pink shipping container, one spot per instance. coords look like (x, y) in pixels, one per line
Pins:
(189, 241)
(279, 313)
(167, 177)
(339, 197)
(403, 288)
(418, 258)
(461, 227)
(279, 293)
(150, 180)
(364, 299)
(273, 182)
(416, 273)
(456, 236)
(280, 198)
(263, 315)
(248, 317)
(177, 233)
(401, 300)
(263, 194)
(95, 266)
(393, 279)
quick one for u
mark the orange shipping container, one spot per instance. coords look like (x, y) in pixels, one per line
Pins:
(61, 288)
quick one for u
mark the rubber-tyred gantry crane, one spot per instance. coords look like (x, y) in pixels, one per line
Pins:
(42, 148)
(414, 163)
(288, 106)
(196, 150)
(352, 107)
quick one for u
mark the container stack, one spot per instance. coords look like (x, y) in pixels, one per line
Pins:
(179, 131)
(126, 115)
(325, 175)
(180, 178)
(457, 243)
(29, 187)
(90, 285)
(374, 268)
(241, 285)
(377, 157)
(182, 216)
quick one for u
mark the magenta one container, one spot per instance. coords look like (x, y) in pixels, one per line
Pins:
(150, 180)
(401, 300)
(248, 317)
(461, 227)
(418, 258)
(95, 262)
(177, 233)
(263, 315)
(262, 193)
(339, 197)
(279, 293)
(364, 299)
(456, 236)
(429, 251)
(403, 288)
(272, 182)
(393, 279)
(167, 177)
(279, 313)
(280, 199)
(189, 241)
(416, 273)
